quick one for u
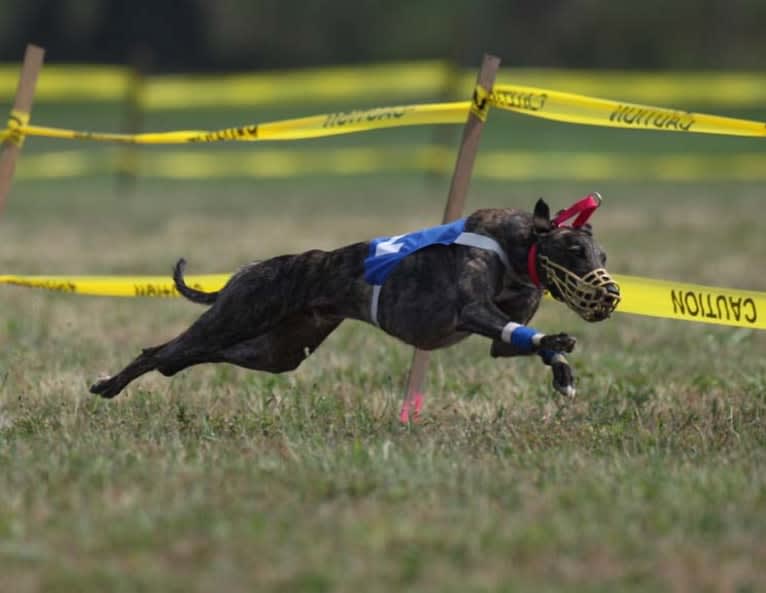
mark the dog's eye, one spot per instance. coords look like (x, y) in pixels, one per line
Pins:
(577, 249)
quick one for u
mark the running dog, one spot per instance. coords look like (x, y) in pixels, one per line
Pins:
(484, 274)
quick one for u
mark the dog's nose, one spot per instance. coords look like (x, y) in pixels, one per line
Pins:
(613, 289)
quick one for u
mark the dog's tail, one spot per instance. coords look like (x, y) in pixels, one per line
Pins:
(194, 295)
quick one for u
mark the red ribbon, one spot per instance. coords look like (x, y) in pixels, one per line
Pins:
(583, 210)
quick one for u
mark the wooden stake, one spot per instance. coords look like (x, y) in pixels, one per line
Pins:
(25, 94)
(461, 178)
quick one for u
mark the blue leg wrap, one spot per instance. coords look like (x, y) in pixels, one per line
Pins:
(522, 336)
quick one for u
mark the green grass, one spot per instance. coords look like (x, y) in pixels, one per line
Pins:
(223, 479)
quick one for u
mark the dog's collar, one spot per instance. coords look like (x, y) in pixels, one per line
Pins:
(582, 209)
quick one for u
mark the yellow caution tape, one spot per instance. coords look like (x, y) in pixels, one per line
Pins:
(691, 302)
(117, 286)
(640, 296)
(579, 109)
(723, 89)
(346, 122)
(480, 103)
(564, 107)
(16, 122)
(329, 124)
(496, 165)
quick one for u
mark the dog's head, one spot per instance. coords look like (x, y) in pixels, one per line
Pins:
(570, 264)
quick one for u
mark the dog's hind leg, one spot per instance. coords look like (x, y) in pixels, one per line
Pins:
(268, 299)
(279, 350)
(142, 364)
(283, 348)
(195, 345)
(168, 359)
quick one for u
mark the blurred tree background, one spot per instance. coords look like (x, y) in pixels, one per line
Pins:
(206, 35)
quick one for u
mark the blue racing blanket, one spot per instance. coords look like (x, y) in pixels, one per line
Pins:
(386, 252)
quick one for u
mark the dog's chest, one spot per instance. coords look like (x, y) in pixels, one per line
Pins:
(520, 303)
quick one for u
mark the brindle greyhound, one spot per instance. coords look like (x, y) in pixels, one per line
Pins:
(272, 314)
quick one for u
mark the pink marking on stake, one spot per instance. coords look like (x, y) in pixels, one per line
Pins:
(414, 404)
(417, 399)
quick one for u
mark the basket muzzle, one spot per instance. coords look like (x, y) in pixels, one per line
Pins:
(594, 297)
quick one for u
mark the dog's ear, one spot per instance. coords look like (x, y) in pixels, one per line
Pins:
(542, 217)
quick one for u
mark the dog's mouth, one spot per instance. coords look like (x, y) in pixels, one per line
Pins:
(594, 297)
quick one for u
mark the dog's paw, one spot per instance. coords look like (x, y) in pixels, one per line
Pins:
(558, 342)
(563, 378)
(105, 388)
(567, 391)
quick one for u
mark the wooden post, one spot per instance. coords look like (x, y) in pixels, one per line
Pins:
(461, 178)
(25, 94)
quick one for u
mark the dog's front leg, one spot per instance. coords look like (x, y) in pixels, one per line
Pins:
(563, 378)
(486, 319)
(513, 339)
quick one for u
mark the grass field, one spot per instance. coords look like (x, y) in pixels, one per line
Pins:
(222, 479)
